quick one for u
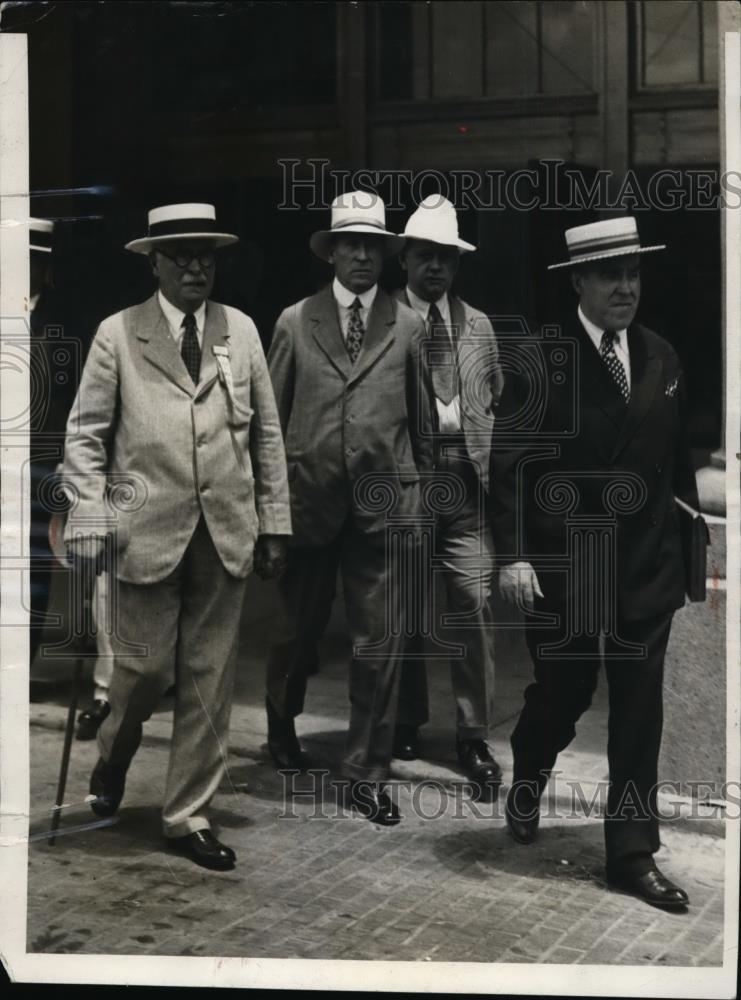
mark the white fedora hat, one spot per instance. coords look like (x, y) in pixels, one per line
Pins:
(40, 234)
(188, 221)
(356, 212)
(598, 240)
(435, 220)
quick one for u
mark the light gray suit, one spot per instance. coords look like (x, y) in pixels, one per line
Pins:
(185, 477)
(463, 550)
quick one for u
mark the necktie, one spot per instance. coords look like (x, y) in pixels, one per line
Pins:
(614, 364)
(355, 332)
(443, 366)
(191, 351)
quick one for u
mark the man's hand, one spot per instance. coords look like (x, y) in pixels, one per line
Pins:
(270, 556)
(87, 552)
(518, 584)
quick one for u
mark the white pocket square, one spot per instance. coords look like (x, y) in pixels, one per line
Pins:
(671, 387)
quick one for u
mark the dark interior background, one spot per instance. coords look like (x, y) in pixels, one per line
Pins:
(135, 105)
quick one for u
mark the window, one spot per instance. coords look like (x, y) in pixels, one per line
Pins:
(678, 43)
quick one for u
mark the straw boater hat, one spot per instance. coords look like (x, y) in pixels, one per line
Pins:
(598, 240)
(174, 223)
(40, 234)
(435, 220)
(356, 212)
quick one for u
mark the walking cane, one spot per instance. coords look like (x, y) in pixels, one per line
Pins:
(82, 584)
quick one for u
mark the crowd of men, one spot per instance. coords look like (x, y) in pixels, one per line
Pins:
(378, 429)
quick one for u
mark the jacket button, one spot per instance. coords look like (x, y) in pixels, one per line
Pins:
(201, 440)
(204, 487)
(654, 519)
(659, 470)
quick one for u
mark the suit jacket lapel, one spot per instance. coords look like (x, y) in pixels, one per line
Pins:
(378, 334)
(645, 371)
(215, 333)
(159, 348)
(325, 328)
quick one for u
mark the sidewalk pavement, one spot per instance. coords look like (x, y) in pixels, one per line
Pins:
(314, 881)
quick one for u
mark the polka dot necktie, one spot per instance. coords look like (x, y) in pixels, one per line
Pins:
(355, 332)
(614, 364)
(190, 350)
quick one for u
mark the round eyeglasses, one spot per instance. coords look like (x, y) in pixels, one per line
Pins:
(184, 258)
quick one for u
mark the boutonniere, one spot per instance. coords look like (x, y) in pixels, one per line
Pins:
(670, 388)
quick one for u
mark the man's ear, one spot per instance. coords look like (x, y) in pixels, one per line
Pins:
(403, 260)
(153, 262)
(576, 282)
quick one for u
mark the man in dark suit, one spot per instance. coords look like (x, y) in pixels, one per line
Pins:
(354, 410)
(587, 537)
(467, 382)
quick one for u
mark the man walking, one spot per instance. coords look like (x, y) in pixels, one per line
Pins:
(587, 534)
(354, 409)
(175, 407)
(467, 382)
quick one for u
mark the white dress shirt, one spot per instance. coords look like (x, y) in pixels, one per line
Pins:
(621, 342)
(345, 298)
(449, 414)
(175, 318)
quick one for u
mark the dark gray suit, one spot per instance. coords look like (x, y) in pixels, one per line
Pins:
(357, 438)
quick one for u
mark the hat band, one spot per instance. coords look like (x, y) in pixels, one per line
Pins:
(174, 227)
(40, 239)
(601, 244)
(358, 221)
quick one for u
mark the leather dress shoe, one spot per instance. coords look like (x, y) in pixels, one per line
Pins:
(283, 744)
(89, 721)
(374, 803)
(522, 812)
(107, 783)
(406, 742)
(475, 758)
(203, 848)
(652, 887)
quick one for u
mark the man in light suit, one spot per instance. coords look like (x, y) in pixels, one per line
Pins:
(355, 412)
(467, 382)
(176, 409)
(586, 463)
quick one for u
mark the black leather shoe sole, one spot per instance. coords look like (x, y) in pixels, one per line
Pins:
(524, 831)
(289, 759)
(406, 751)
(373, 805)
(107, 784)
(90, 721)
(649, 894)
(217, 859)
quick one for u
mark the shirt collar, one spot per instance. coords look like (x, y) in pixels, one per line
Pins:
(595, 332)
(175, 316)
(422, 306)
(346, 298)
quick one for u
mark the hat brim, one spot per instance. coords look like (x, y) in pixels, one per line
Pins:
(622, 252)
(321, 242)
(147, 243)
(458, 243)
